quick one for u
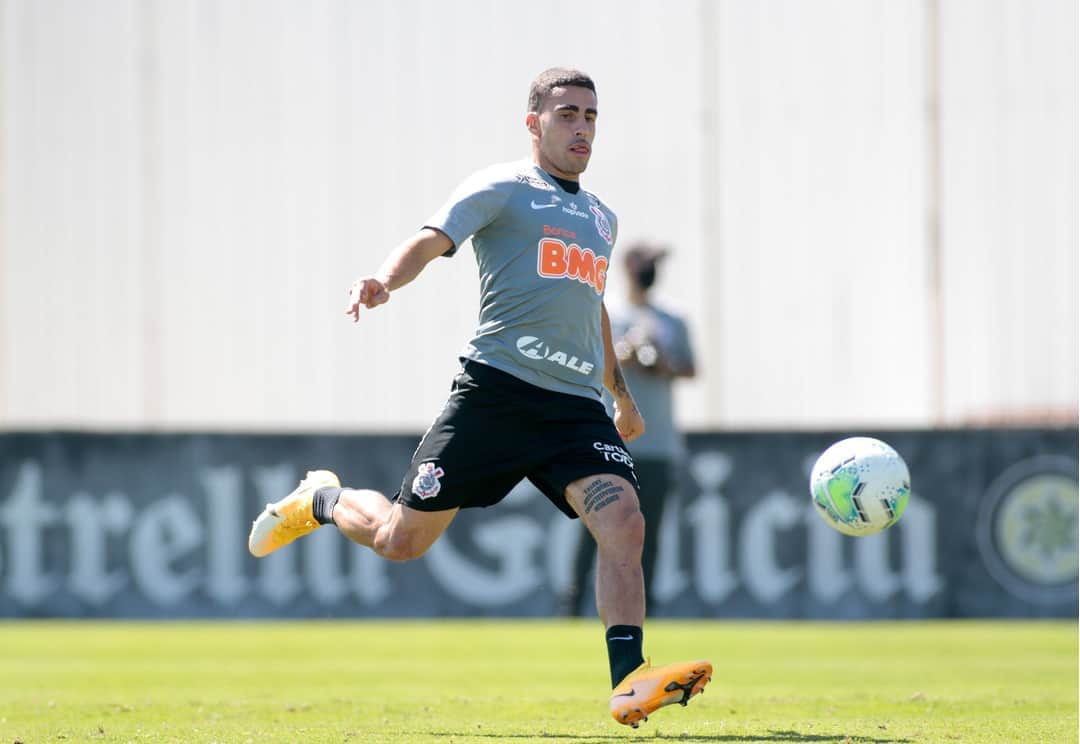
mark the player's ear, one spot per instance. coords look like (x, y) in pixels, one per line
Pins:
(532, 123)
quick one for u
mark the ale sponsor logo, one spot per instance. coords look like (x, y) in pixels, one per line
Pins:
(535, 348)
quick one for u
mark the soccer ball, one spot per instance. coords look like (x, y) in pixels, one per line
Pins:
(860, 486)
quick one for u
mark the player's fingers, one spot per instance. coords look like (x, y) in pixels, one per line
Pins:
(352, 310)
(366, 293)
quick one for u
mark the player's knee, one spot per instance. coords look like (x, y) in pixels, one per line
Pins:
(635, 527)
(624, 530)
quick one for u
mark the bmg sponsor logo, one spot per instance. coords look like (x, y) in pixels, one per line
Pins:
(556, 259)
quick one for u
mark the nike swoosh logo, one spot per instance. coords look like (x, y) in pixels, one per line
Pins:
(626, 694)
(621, 638)
(534, 205)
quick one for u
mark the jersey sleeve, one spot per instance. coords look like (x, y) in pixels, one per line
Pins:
(473, 206)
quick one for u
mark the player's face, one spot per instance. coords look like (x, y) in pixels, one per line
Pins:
(563, 131)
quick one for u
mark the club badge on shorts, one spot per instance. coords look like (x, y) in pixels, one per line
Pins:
(426, 483)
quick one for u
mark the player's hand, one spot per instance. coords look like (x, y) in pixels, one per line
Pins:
(369, 292)
(628, 420)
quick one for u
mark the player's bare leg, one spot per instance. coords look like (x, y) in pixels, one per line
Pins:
(609, 507)
(394, 531)
(367, 517)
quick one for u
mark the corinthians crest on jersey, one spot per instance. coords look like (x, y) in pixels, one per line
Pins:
(603, 227)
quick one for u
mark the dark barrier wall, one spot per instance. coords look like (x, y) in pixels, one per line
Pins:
(98, 525)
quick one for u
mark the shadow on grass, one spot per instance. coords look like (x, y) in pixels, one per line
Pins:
(792, 736)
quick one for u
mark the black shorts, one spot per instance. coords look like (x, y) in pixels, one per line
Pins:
(496, 430)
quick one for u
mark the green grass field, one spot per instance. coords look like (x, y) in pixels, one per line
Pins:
(519, 681)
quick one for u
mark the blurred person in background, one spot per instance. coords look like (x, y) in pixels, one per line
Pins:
(653, 349)
(528, 400)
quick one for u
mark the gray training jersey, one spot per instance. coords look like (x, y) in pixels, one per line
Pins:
(543, 256)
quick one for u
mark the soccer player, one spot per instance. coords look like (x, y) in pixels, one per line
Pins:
(527, 402)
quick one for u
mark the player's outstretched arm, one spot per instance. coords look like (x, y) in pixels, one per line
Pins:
(402, 266)
(628, 419)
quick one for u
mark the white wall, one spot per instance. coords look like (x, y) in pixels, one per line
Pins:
(1010, 221)
(821, 277)
(187, 188)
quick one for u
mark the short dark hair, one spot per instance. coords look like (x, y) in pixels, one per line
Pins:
(556, 77)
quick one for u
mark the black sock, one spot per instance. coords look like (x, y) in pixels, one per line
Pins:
(624, 651)
(322, 505)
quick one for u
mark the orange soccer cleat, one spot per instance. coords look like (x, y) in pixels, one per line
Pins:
(647, 689)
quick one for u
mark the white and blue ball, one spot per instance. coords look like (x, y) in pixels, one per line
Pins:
(860, 486)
